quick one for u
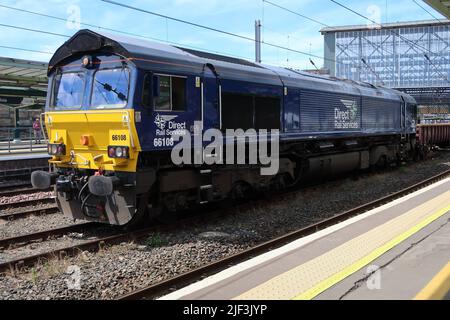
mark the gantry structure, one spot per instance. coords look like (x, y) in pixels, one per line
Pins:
(410, 56)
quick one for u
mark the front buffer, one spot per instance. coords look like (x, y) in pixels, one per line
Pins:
(105, 199)
(110, 198)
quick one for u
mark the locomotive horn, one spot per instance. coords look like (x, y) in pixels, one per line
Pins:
(100, 186)
(41, 180)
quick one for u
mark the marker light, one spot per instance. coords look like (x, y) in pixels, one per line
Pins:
(84, 140)
(60, 150)
(111, 152)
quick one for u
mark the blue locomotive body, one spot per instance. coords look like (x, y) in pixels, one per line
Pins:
(148, 93)
(217, 90)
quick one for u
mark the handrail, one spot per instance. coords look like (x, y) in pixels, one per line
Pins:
(42, 122)
(90, 111)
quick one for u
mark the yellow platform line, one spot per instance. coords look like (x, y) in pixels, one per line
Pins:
(317, 275)
(310, 294)
(438, 287)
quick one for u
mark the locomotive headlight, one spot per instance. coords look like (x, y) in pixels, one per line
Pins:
(56, 149)
(118, 152)
(86, 61)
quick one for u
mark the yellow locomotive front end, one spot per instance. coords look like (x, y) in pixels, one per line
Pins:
(95, 154)
(95, 140)
(92, 138)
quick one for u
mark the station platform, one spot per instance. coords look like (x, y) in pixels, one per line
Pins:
(400, 250)
(18, 165)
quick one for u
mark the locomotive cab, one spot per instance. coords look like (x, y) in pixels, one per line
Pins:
(89, 114)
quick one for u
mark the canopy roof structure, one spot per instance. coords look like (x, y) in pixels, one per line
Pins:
(442, 6)
(386, 26)
(23, 83)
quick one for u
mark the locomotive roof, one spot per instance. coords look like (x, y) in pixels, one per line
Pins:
(145, 53)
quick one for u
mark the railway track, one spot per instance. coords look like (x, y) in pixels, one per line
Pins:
(26, 203)
(44, 235)
(98, 244)
(89, 245)
(4, 187)
(160, 288)
(21, 191)
(17, 177)
(30, 212)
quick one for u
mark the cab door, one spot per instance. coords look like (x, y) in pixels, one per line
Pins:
(210, 100)
(403, 118)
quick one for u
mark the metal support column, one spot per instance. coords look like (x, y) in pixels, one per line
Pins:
(258, 41)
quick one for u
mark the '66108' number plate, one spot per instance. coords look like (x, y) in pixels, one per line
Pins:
(119, 137)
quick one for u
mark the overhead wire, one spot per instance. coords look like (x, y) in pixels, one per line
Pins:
(108, 29)
(197, 25)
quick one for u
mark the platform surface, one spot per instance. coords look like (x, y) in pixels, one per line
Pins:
(24, 156)
(402, 272)
(391, 252)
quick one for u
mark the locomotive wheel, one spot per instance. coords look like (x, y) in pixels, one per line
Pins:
(241, 191)
(282, 181)
(167, 217)
(382, 163)
(141, 217)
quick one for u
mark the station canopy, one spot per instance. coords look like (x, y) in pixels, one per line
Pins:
(442, 6)
(23, 83)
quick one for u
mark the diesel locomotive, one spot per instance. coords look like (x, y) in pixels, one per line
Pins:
(115, 103)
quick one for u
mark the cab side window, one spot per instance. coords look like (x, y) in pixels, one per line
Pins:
(172, 94)
(248, 111)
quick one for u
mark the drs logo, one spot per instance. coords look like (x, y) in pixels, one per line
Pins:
(119, 137)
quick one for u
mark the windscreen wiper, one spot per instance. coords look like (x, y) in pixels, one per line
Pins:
(109, 88)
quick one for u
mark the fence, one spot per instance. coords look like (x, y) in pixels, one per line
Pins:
(14, 140)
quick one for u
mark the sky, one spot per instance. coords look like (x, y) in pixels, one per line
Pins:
(236, 16)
